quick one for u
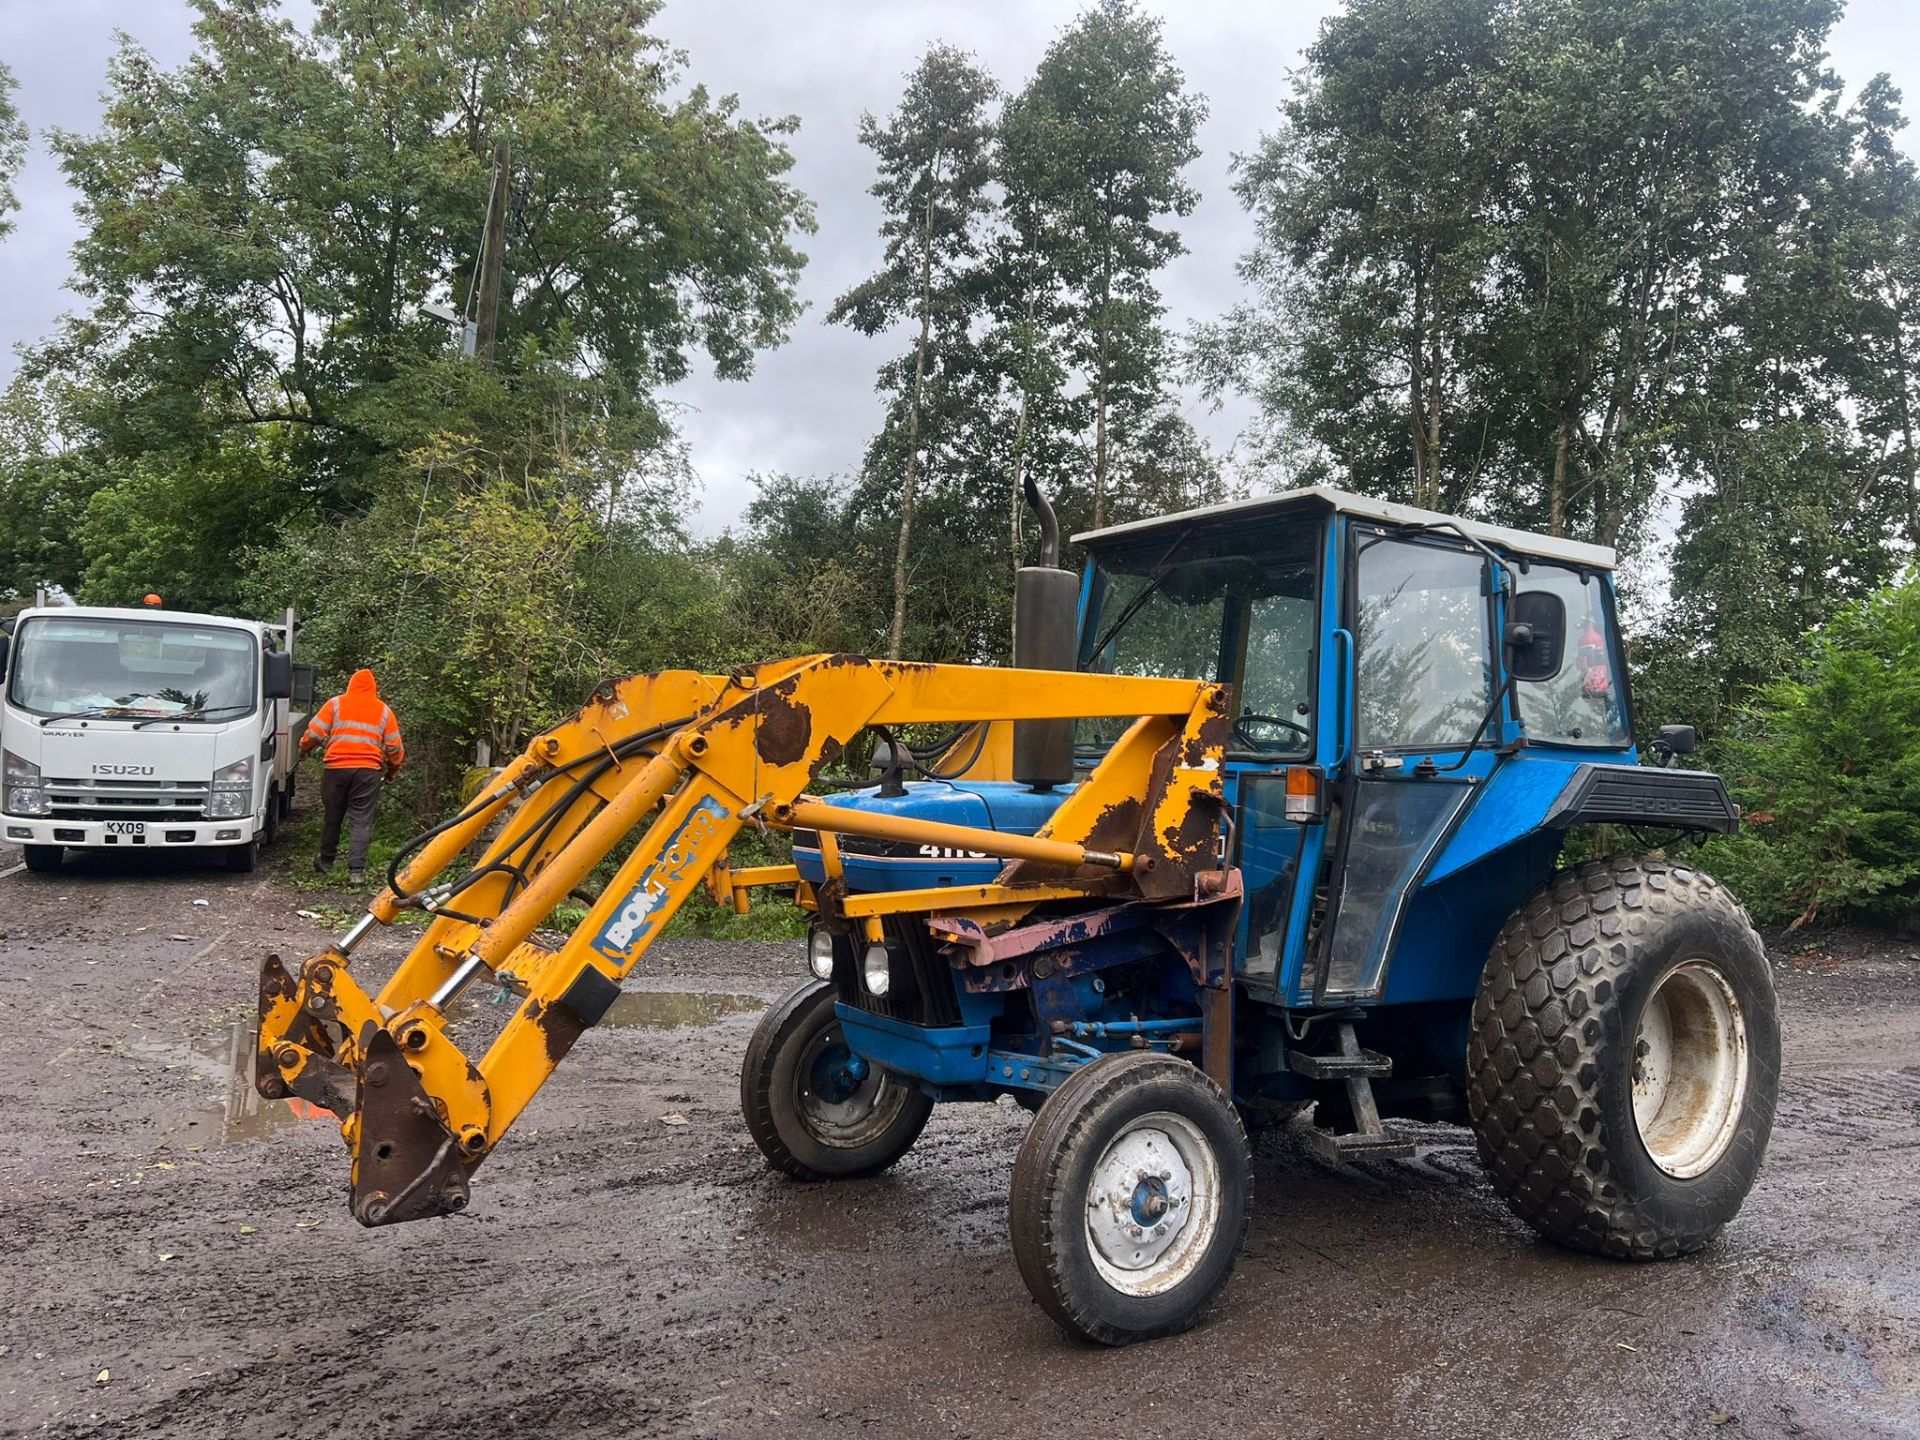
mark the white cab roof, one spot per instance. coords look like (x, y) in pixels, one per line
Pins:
(1521, 542)
(103, 612)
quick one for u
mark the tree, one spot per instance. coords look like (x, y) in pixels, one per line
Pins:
(13, 149)
(1371, 206)
(1593, 267)
(1826, 764)
(264, 225)
(1090, 157)
(933, 158)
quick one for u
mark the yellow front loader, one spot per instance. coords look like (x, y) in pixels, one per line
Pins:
(685, 761)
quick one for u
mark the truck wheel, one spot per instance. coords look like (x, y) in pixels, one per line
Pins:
(286, 797)
(1624, 1059)
(1131, 1195)
(241, 859)
(270, 827)
(42, 859)
(817, 1110)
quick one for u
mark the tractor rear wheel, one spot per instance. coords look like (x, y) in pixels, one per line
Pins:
(1624, 1059)
(817, 1110)
(1131, 1195)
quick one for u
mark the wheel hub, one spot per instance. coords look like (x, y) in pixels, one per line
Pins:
(1152, 1204)
(841, 1097)
(1690, 1069)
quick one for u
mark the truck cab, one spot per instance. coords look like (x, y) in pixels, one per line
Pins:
(145, 729)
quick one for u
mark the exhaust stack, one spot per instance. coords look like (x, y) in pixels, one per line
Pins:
(1046, 605)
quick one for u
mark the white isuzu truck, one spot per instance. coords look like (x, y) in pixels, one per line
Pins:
(146, 729)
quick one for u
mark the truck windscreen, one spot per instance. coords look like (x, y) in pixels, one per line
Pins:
(137, 668)
(1238, 607)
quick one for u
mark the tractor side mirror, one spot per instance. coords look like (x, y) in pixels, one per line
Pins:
(1678, 739)
(1536, 635)
(277, 678)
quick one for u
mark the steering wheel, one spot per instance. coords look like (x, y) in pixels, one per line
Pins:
(1240, 722)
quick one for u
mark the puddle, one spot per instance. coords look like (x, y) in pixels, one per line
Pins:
(676, 1009)
(243, 1115)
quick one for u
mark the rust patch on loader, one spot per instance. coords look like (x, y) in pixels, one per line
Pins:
(406, 1165)
(559, 1027)
(785, 729)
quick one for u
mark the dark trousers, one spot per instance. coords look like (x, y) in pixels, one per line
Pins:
(348, 795)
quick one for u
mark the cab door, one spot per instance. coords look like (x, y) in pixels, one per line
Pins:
(1421, 726)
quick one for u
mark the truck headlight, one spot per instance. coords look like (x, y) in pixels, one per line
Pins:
(25, 795)
(876, 970)
(232, 794)
(820, 953)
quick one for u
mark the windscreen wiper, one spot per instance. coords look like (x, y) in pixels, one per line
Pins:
(95, 713)
(200, 714)
(1156, 577)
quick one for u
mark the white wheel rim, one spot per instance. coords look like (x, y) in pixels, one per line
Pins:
(1690, 1069)
(1153, 1205)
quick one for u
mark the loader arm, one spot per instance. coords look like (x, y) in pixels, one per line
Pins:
(687, 760)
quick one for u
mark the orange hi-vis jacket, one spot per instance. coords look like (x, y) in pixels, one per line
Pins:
(357, 729)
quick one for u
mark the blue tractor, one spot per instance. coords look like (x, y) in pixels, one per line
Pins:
(1423, 709)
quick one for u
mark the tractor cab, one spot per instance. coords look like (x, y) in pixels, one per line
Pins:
(1390, 669)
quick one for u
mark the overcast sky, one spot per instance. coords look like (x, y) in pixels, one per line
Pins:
(810, 406)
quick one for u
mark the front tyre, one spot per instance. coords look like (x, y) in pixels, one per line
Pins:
(1624, 1059)
(243, 859)
(817, 1110)
(1131, 1196)
(42, 859)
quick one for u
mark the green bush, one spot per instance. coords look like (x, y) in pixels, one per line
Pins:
(1826, 767)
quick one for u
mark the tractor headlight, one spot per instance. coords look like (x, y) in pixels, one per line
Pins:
(232, 794)
(24, 793)
(820, 953)
(876, 971)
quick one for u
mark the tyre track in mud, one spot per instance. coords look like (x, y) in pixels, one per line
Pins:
(622, 1275)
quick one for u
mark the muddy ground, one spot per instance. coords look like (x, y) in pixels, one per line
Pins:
(179, 1260)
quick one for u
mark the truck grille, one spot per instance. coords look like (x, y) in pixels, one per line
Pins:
(119, 799)
(922, 990)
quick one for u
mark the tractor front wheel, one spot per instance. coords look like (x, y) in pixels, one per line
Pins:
(1624, 1059)
(1131, 1195)
(817, 1110)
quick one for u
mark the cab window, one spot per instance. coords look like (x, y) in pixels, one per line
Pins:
(1580, 704)
(1423, 663)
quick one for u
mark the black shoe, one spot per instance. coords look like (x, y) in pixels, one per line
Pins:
(321, 865)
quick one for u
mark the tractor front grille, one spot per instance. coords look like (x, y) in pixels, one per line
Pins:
(922, 989)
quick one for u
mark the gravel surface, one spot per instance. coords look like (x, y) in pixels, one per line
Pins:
(180, 1260)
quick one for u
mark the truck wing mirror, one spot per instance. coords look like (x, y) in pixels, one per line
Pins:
(6, 647)
(1536, 635)
(304, 682)
(277, 679)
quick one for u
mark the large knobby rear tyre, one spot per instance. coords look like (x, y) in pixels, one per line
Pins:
(1624, 1059)
(816, 1110)
(1131, 1196)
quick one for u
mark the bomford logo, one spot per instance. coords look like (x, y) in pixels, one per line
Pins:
(632, 920)
(123, 769)
(632, 916)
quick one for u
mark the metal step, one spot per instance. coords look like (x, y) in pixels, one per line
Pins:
(1365, 1064)
(1381, 1145)
(1357, 1069)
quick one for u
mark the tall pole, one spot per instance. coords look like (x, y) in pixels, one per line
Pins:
(493, 249)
